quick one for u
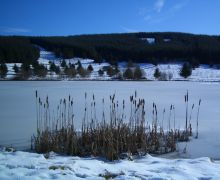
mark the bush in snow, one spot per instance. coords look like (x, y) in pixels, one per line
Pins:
(3, 70)
(186, 70)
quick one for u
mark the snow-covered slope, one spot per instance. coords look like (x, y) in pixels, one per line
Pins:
(24, 165)
(203, 73)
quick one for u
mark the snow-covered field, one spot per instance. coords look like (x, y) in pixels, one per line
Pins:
(24, 165)
(203, 73)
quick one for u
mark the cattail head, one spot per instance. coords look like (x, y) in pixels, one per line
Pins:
(36, 93)
(200, 102)
(192, 106)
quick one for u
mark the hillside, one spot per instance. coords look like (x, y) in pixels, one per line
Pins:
(137, 47)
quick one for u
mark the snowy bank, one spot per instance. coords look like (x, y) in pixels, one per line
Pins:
(24, 165)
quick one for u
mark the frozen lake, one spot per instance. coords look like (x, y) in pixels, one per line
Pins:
(18, 112)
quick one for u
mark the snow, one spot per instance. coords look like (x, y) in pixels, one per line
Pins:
(202, 73)
(166, 40)
(25, 165)
(149, 40)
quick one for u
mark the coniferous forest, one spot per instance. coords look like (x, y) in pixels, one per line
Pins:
(16, 49)
(167, 47)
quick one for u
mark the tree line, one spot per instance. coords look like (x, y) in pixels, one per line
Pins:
(167, 47)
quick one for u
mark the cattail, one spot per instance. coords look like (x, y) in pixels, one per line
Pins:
(197, 120)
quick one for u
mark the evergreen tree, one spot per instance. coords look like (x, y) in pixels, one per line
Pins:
(3, 70)
(63, 63)
(128, 74)
(25, 72)
(101, 72)
(157, 73)
(90, 68)
(54, 68)
(186, 70)
(79, 65)
(82, 72)
(138, 73)
(70, 71)
(15, 68)
(40, 70)
(110, 71)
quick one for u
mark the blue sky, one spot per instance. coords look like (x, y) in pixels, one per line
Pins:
(70, 17)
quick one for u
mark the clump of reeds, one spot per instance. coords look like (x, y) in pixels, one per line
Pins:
(106, 136)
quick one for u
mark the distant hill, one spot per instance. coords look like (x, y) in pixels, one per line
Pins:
(138, 47)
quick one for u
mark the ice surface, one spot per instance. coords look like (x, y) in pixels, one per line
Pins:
(18, 111)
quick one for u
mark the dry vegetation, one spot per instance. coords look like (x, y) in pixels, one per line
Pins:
(114, 136)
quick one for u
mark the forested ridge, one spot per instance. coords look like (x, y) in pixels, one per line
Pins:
(15, 49)
(167, 47)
